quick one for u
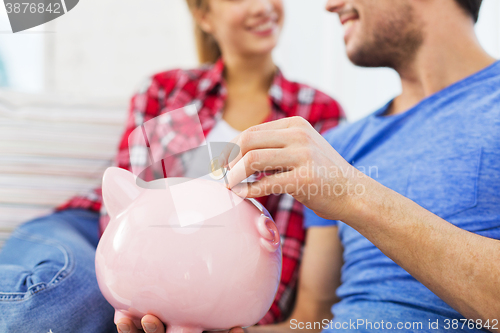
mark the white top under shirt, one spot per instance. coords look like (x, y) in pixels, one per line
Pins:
(221, 132)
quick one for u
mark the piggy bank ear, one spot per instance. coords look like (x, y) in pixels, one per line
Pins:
(119, 190)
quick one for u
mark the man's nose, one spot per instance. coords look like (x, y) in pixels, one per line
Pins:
(334, 6)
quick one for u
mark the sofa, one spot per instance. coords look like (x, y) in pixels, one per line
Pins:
(52, 147)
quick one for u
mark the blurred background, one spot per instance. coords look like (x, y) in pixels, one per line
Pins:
(105, 48)
(65, 86)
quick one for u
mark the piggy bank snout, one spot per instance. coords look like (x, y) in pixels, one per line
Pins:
(268, 231)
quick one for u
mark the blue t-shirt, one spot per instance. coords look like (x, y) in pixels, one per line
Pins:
(444, 154)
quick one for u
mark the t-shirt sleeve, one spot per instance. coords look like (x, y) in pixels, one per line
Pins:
(313, 220)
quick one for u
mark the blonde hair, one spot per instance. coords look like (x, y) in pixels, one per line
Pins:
(208, 48)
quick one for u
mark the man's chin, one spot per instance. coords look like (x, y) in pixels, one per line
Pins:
(355, 53)
(364, 57)
(356, 57)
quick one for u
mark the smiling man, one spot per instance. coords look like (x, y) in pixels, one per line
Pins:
(412, 245)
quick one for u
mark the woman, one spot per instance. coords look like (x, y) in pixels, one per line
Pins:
(239, 87)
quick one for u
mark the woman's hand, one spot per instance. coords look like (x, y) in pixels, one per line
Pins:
(303, 164)
(237, 330)
(150, 324)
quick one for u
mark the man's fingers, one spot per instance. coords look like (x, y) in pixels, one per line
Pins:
(125, 325)
(273, 184)
(281, 124)
(250, 140)
(151, 324)
(260, 160)
(253, 138)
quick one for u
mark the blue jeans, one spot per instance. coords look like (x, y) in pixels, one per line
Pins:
(47, 277)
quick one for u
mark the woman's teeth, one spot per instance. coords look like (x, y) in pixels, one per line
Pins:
(264, 27)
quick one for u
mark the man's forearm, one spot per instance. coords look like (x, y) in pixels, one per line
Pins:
(458, 266)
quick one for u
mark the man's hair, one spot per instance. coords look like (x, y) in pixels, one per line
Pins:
(471, 6)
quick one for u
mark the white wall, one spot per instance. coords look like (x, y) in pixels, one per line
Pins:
(104, 48)
(22, 55)
(107, 47)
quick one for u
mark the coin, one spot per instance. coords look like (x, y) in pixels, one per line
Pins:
(217, 170)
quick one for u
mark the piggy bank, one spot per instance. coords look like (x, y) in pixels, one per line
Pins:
(188, 251)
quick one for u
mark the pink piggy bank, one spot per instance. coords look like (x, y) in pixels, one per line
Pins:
(187, 251)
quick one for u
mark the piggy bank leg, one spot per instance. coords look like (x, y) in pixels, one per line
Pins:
(119, 314)
(183, 329)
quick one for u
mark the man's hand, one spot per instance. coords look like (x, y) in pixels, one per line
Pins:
(301, 162)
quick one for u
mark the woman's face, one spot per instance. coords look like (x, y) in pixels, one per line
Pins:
(244, 27)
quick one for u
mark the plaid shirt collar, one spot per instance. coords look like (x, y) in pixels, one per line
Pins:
(214, 82)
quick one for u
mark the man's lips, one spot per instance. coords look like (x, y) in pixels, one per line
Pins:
(348, 17)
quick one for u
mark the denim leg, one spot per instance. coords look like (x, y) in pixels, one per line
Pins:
(47, 277)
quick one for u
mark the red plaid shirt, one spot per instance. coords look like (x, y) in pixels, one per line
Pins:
(205, 87)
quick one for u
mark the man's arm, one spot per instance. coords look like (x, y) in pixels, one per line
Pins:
(458, 266)
(319, 279)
